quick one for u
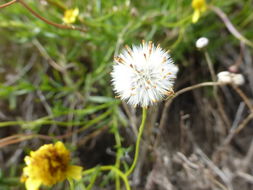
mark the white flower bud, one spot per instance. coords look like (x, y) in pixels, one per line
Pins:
(238, 79)
(202, 42)
(224, 77)
(228, 77)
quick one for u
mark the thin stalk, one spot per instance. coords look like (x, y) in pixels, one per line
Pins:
(71, 184)
(231, 28)
(215, 91)
(182, 91)
(137, 147)
(118, 154)
(112, 168)
(92, 181)
(8, 4)
(210, 66)
(70, 27)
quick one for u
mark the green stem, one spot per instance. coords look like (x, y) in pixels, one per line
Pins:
(137, 148)
(71, 184)
(113, 168)
(118, 154)
(93, 180)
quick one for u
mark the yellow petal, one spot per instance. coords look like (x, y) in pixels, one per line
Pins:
(70, 15)
(32, 184)
(59, 145)
(76, 12)
(27, 160)
(74, 172)
(26, 171)
(198, 4)
(203, 8)
(195, 16)
(23, 178)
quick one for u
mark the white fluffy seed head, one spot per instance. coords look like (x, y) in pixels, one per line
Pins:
(143, 74)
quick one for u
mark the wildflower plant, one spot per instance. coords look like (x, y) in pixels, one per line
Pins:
(71, 71)
(143, 75)
(49, 165)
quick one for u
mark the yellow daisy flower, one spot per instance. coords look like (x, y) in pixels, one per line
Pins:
(70, 15)
(199, 7)
(48, 166)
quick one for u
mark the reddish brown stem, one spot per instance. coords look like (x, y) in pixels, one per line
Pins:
(230, 26)
(48, 21)
(7, 4)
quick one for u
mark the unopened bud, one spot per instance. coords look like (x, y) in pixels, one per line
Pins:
(202, 42)
(228, 77)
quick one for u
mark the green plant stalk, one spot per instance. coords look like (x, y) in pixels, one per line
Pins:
(45, 121)
(110, 168)
(11, 181)
(92, 181)
(71, 184)
(48, 119)
(137, 147)
(118, 154)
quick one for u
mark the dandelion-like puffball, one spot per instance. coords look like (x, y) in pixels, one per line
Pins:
(228, 77)
(143, 74)
(202, 42)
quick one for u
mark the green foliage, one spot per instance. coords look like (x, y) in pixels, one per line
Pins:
(65, 73)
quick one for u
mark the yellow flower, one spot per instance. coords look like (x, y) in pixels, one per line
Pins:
(199, 7)
(48, 166)
(70, 15)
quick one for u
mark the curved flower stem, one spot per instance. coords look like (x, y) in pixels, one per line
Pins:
(118, 154)
(210, 66)
(230, 26)
(169, 101)
(71, 184)
(92, 180)
(48, 21)
(203, 84)
(137, 147)
(119, 173)
(8, 4)
(215, 92)
(113, 168)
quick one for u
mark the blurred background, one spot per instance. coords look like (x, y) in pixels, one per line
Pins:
(55, 85)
